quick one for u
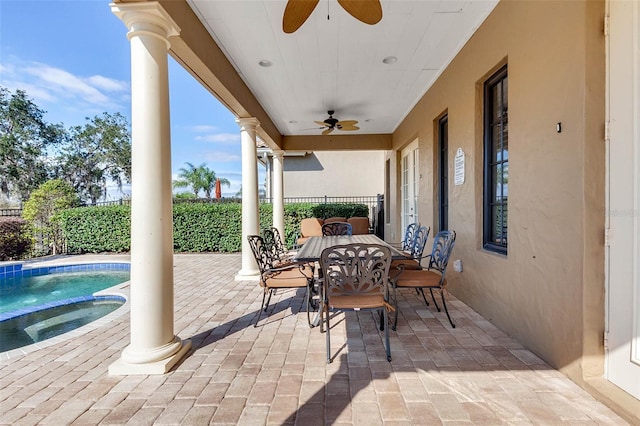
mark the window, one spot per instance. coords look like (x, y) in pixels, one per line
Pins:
(443, 167)
(496, 162)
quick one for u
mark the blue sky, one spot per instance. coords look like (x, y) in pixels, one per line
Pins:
(73, 59)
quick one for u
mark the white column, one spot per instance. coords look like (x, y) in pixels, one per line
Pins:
(153, 348)
(250, 222)
(278, 192)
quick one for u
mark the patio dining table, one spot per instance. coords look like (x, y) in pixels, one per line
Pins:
(313, 247)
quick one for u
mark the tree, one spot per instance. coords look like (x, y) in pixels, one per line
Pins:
(95, 153)
(24, 138)
(198, 178)
(209, 181)
(189, 177)
(262, 192)
(43, 204)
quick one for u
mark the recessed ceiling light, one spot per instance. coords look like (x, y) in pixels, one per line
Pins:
(265, 63)
(390, 60)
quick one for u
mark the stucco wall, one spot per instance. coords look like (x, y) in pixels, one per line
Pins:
(548, 291)
(335, 174)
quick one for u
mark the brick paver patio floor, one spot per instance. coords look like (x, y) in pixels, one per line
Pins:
(277, 373)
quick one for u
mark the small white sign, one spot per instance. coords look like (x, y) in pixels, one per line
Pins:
(459, 167)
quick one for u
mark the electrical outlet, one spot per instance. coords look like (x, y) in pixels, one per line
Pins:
(457, 265)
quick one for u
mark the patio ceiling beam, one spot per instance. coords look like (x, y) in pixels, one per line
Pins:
(338, 142)
(199, 54)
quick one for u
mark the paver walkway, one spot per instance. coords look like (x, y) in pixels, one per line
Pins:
(277, 374)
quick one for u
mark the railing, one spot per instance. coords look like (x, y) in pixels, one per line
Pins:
(10, 212)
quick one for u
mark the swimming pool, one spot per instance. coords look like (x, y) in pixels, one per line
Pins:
(38, 326)
(27, 288)
(38, 303)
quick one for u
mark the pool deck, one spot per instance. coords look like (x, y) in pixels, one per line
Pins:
(277, 373)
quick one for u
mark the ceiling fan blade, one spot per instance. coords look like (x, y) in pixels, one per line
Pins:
(347, 125)
(367, 11)
(327, 131)
(296, 13)
(322, 123)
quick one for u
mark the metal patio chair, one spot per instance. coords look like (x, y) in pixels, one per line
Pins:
(409, 235)
(274, 242)
(336, 228)
(355, 277)
(414, 254)
(274, 277)
(431, 277)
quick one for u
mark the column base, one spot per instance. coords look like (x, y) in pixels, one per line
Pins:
(123, 368)
(247, 275)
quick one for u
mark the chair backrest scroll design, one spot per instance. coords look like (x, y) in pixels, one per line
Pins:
(336, 228)
(443, 244)
(409, 236)
(356, 269)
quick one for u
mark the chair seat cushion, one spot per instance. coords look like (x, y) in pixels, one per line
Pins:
(289, 278)
(361, 301)
(421, 278)
(406, 263)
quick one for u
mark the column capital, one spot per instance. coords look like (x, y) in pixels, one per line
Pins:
(248, 123)
(148, 18)
(278, 153)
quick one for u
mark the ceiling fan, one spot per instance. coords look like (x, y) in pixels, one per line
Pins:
(297, 11)
(330, 124)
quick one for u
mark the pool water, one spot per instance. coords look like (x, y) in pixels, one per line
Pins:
(37, 326)
(20, 292)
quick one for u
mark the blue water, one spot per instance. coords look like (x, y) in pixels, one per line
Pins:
(45, 324)
(21, 292)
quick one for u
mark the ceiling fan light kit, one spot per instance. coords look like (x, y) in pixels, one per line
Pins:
(331, 123)
(296, 12)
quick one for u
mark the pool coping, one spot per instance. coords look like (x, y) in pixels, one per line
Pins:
(121, 290)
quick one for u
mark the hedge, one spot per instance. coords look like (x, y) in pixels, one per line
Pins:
(197, 227)
(15, 238)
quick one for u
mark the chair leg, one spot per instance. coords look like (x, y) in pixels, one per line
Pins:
(395, 305)
(381, 318)
(387, 344)
(445, 308)
(434, 300)
(262, 307)
(271, 290)
(418, 291)
(328, 338)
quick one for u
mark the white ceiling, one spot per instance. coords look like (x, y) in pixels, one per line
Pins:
(337, 63)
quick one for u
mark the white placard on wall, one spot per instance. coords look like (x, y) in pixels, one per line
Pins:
(459, 167)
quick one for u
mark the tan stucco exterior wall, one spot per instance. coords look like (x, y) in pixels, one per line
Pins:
(548, 292)
(335, 174)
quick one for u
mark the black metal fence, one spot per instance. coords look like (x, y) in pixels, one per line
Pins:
(10, 212)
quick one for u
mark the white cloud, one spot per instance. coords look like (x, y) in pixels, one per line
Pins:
(220, 138)
(222, 157)
(204, 128)
(62, 89)
(107, 84)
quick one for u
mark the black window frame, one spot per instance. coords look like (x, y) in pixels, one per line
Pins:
(495, 241)
(443, 172)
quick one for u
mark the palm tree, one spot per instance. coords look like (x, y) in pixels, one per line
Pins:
(190, 176)
(209, 178)
(262, 192)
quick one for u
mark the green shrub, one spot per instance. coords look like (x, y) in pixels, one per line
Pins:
(197, 227)
(15, 238)
(97, 229)
(41, 209)
(347, 210)
(214, 227)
